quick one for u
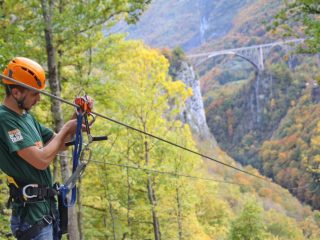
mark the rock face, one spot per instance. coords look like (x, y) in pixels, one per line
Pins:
(194, 113)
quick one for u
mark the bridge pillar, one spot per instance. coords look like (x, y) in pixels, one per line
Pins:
(260, 59)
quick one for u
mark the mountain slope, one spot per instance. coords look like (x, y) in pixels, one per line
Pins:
(187, 23)
(248, 123)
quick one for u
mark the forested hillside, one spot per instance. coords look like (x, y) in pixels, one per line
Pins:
(137, 186)
(242, 127)
(247, 111)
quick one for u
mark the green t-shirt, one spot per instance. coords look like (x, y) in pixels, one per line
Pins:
(18, 132)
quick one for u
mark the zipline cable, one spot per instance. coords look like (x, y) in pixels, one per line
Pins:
(159, 172)
(177, 145)
(174, 174)
(133, 128)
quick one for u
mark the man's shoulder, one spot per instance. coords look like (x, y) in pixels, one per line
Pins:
(2, 108)
(8, 117)
(5, 113)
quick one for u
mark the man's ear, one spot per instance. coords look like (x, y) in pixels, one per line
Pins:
(15, 92)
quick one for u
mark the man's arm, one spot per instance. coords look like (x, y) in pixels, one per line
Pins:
(41, 158)
(68, 138)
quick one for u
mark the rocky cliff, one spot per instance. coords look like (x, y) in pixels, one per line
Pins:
(194, 113)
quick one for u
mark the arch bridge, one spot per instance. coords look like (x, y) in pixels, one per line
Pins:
(255, 54)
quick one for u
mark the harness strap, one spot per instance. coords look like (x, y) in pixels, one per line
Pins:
(28, 193)
(34, 229)
(64, 189)
(31, 193)
(39, 192)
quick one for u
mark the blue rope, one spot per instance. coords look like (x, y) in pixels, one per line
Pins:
(64, 190)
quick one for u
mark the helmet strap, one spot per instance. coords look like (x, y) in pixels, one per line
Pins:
(20, 102)
(8, 89)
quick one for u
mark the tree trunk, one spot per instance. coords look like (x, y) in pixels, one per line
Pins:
(47, 9)
(108, 196)
(79, 214)
(179, 203)
(179, 212)
(128, 234)
(113, 219)
(129, 199)
(152, 197)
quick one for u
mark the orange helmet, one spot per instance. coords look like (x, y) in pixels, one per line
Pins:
(26, 71)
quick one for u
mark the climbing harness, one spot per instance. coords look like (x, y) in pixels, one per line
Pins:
(81, 156)
(28, 194)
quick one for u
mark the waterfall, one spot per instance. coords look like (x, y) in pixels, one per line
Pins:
(203, 28)
(271, 85)
(251, 102)
(204, 10)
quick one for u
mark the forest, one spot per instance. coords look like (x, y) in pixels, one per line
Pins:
(136, 186)
(280, 103)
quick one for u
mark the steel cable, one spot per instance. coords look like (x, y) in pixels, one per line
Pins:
(133, 128)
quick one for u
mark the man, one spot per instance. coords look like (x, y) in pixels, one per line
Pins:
(26, 150)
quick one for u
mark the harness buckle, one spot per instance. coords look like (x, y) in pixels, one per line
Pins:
(47, 219)
(25, 195)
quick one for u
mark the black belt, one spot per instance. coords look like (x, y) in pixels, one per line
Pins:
(31, 193)
(39, 192)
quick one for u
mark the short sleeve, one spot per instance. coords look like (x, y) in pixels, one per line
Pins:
(46, 133)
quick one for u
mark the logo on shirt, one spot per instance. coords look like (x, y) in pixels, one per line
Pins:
(15, 135)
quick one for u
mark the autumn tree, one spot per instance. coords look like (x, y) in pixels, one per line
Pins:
(300, 18)
(249, 225)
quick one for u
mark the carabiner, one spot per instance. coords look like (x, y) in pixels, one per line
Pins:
(84, 157)
(25, 195)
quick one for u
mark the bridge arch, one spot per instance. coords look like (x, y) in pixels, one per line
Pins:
(235, 54)
(255, 55)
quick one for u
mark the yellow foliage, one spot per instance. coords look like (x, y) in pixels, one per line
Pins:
(316, 141)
